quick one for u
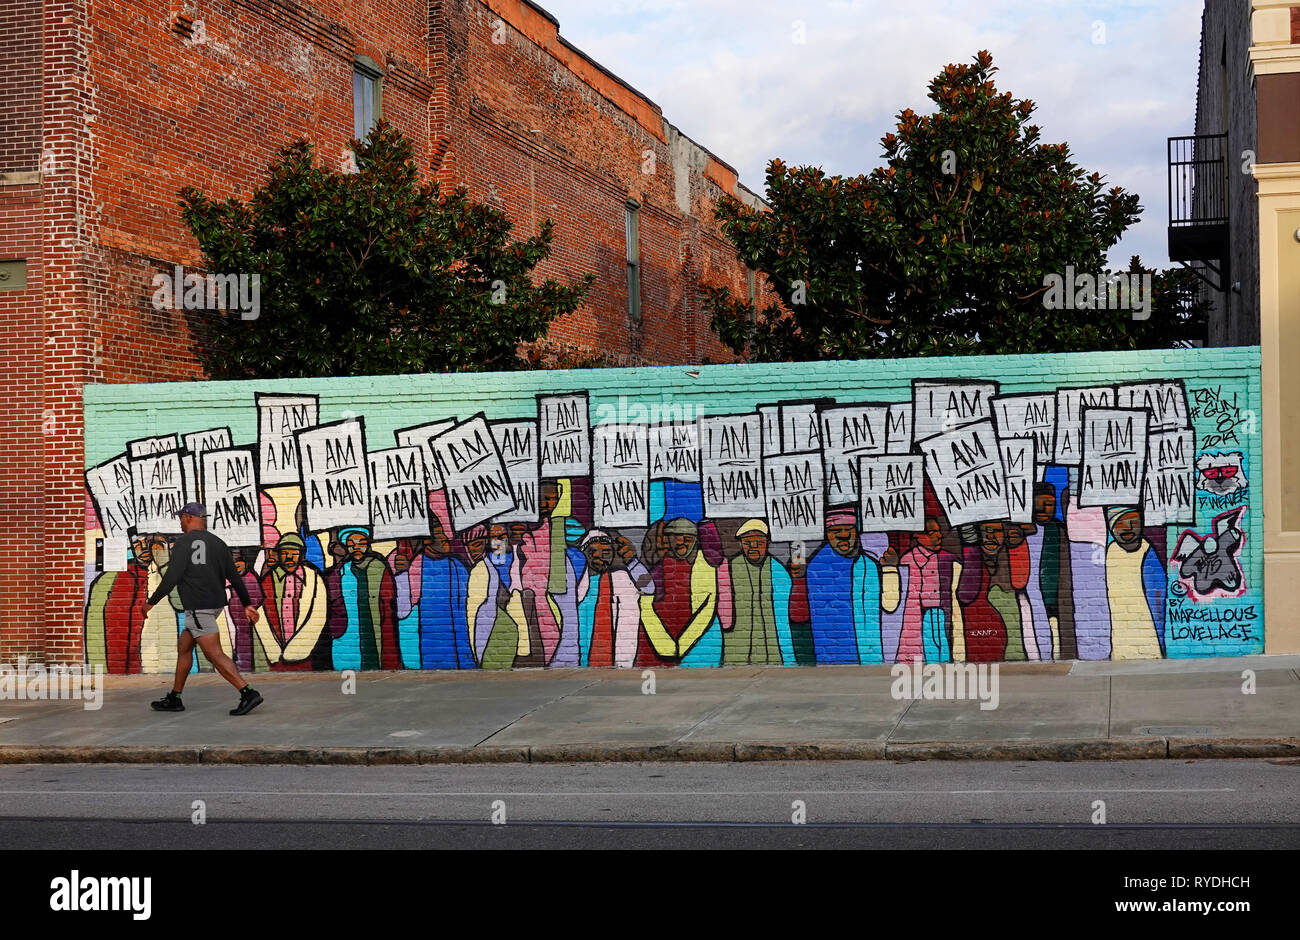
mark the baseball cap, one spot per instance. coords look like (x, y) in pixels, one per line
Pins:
(193, 509)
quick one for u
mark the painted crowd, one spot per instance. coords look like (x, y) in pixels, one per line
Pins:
(478, 545)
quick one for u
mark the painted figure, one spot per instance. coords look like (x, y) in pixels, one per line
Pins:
(546, 577)
(444, 586)
(678, 622)
(406, 563)
(609, 600)
(1136, 584)
(847, 590)
(292, 636)
(498, 625)
(119, 634)
(237, 632)
(754, 610)
(362, 606)
(984, 564)
(928, 602)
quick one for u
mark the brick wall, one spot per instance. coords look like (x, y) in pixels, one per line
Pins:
(1295, 25)
(1098, 550)
(129, 100)
(20, 95)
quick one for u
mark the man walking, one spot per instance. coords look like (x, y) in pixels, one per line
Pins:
(201, 565)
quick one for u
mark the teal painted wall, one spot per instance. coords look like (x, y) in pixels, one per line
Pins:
(996, 589)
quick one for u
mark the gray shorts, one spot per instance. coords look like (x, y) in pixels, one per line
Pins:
(202, 622)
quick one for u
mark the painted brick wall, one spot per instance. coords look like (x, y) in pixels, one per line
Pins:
(975, 508)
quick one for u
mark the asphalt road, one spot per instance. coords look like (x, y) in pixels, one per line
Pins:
(1148, 804)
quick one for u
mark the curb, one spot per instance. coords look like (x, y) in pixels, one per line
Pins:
(1060, 750)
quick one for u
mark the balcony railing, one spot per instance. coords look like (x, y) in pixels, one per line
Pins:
(1198, 204)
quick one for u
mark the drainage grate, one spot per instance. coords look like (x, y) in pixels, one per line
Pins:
(1173, 731)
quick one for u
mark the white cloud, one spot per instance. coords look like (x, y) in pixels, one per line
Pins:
(730, 74)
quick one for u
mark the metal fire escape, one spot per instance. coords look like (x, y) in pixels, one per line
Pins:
(1198, 207)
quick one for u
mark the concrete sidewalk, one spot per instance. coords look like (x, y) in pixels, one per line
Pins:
(1052, 711)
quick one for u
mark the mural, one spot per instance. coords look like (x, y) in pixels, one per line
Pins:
(949, 519)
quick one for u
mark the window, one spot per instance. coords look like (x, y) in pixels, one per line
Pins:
(366, 79)
(633, 260)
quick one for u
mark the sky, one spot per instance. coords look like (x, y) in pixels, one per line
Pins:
(819, 83)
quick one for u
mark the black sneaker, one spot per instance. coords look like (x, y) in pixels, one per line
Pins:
(171, 702)
(248, 700)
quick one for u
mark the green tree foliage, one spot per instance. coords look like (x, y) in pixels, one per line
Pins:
(372, 272)
(944, 249)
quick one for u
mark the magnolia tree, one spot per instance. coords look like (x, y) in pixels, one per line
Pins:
(365, 270)
(952, 247)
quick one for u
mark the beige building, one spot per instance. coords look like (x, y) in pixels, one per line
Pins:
(1234, 218)
(1275, 61)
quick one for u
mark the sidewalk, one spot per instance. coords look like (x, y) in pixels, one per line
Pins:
(1053, 711)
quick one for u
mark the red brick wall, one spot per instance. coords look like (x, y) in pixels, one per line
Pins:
(20, 92)
(542, 132)
(21, 444)
(1295, 25)
(144, 97)
(21, 338)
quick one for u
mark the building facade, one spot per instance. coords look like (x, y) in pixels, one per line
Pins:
(1225, 105)
(110, 108)
(1275, 59)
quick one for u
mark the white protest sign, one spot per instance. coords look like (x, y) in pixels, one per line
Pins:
(111, 492)
(474, 475)
(893, 494)
(965, 468)
(279, 417)
(795, 494)
(800, 429)
(620, 486)
(731, 456)
(234, 506)
(212, 439)
(1168, 492)
(1070, 403)
(1018, 468)
(942, 406)
(334, 474)
(158, 483)
(517, 443)
(849, 432)
(148, 446)
(1032, 416)
(898, 430)
(1167, 402)
(564, 427)
(1114, 457)
(675, 452)
(399, 498)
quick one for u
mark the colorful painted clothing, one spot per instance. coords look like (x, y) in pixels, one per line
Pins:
(444, 629)
(927, 605)
(363, 615)
(673, 632)
(755, 613)
(846, 597)
(985, 629)
(1136, 583)
(291, 637)
(609, 614)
